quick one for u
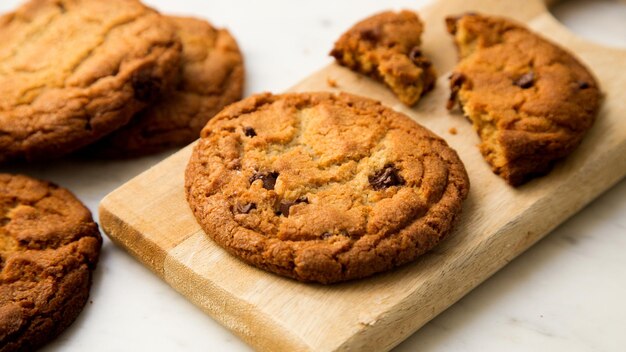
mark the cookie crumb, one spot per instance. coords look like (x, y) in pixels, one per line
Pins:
(453, 131)
(331, 82)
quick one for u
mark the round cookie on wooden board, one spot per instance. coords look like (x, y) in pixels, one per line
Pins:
(322, 187)
(72, 71)
(49, 247)
(212, 76)
(530, 101)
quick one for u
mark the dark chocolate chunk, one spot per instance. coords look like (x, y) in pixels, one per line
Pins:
(583, 85)
(456, 81)
(146, 87)
(284, 206)
(415, 53)
(525, 81)
(418, 59)
(386, 178)
(268, 178)
(371, 35)
(249, 131)
(246, 208)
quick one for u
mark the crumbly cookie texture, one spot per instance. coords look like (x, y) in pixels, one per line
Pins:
(49, 246)
(386, 47)
(72, 71)
(322, 187)
(212, 76)
(530, 101)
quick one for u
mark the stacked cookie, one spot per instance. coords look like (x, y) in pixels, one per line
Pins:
(110, 78)
(73, 72)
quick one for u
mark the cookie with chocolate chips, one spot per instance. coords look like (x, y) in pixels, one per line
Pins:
(387, 48)
(530, 101)
(322, 187)
(212, 76)
(72, 71)
(49, 246)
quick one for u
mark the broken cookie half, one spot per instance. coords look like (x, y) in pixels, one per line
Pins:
(386, 47)
(530, 101)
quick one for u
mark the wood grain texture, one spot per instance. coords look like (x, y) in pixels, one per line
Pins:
(151, 219)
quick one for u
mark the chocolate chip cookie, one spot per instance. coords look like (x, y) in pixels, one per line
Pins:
(49, 246)
(212, 76)
(386, 47)
(72, 71)
(530, 101)
(322, 187)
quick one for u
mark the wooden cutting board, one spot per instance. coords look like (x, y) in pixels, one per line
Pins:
(150, 218)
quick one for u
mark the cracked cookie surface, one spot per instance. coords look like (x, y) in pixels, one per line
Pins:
(212, 76)
(386, 47)
(72, 71)
(49, 246)
(530, 101)
(322, 187)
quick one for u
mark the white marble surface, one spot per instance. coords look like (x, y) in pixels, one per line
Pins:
(568, 293)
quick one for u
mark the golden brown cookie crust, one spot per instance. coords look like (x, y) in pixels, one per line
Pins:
(72, 71)
(212, 76)
(530, 101)
(323, 187)
(49, 246)
(386, 47)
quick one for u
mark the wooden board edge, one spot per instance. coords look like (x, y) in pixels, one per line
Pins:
(249, 323)
(127, 237)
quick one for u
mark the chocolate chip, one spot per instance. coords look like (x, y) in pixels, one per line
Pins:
(386, 178)
(246, 208)
(583, 85)
(268, 178)
(418, 59)
(249, 131)
(456, 82)
(146, 87)
(525, 81)
(415, 53)
(284, 206)
(370, 34)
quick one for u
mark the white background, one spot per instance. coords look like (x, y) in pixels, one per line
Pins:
(567, 293)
